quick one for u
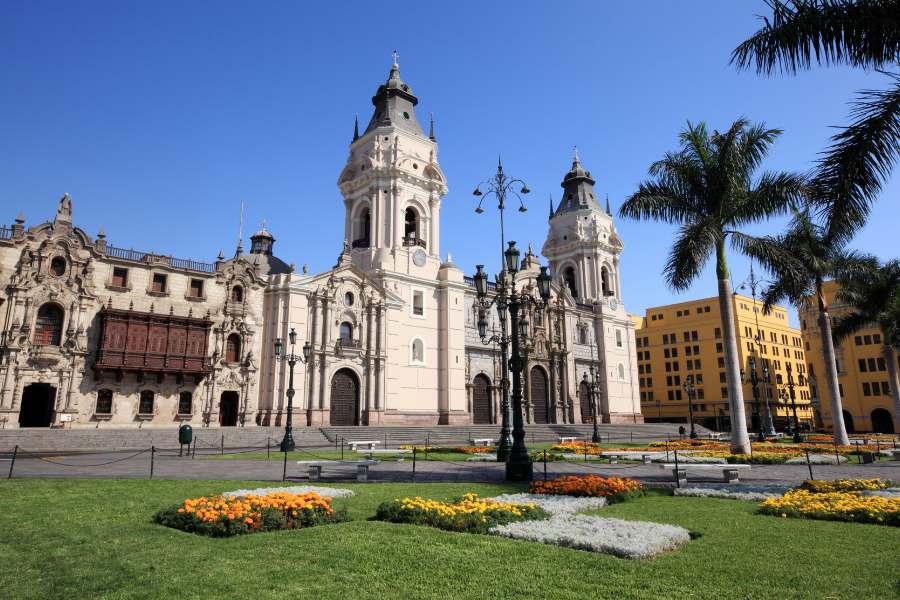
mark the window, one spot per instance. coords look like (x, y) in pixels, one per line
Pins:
(569, 280)
(667, 353)
(695, 336)
(418, 304)
(885, 388)
(724, 391)
(862, 365)
(618, 338)
(48, 326)
(145, 407)
(237, 294)
(706, 309)
(120, 277)
(185, 403)
(349, 299)
(674, 352)
(159, 283)
(233, 348)
(858, 340)
(721, 377)
(104, 402)
(721, 362)
(346, 334)
(678, 394)
(718, 346)
(871, 364)
(58, 266)
(881, 364)
(417, 352)
(196, 289)
(867, 339)
(621, 371)
(650, 384)
(866, 390)
(582, 335)
(718, 333)
(411, 225)
(698, 378)
(876, 338)
(674, 366)
(697, 363)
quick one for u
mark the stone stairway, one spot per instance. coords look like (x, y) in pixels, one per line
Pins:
(33, 439)
(391, 436)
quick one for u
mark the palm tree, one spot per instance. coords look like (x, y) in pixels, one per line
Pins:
(874, 294)
(859, 33)
(708, 188)
(802, 259)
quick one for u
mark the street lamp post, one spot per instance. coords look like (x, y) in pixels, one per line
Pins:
(287, 443)
(797, 437)
(592, 388)
(770, 422)
(753, 282)
(500, 185)
(754, 381)
(518, 465)
(689, 388)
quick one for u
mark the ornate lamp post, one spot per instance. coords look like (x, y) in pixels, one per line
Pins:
(689, 388)
(592, 386)
(287, 443)
(754, 381)
(518, 465)
(499, 185)
(753, 282)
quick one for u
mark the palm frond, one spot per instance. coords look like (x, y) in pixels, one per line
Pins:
(849, 324)
(691, 252)
(659, 201)
(774, 194)
(861, 33)
(853, 170)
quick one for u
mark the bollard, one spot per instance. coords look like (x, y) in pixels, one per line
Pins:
(414, 463)
(268, 447)
(194, 453)
(13, 461)
(342, 449)
(545, 465)
(809, 464)
(837, 456)
(284, 468)
(223, 444)
(152, 459)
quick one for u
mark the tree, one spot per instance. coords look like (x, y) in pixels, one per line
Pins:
(873, 292)
(802, 259)
(708, 187)
(859, 33)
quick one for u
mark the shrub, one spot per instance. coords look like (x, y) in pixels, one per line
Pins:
(614, 489)
(469, 514)
(220, 516)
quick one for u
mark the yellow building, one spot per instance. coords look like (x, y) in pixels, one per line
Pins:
(862, 370)
(683, 342)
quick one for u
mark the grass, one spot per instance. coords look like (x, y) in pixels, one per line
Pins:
(80, 539)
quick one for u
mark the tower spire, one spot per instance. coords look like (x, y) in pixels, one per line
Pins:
(356, 128)
(551, 207)
(575, 159)
(431, 127)
(240, 247)
(609, 212)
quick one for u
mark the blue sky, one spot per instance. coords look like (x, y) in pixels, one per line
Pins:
(159, 118)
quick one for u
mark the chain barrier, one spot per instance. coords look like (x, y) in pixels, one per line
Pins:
(62, 464)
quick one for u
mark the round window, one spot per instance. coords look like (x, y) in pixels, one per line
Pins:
(415, 166)
(406, 115)
(348, 298)
(58, 266)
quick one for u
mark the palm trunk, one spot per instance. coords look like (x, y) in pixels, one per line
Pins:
(890, 354)
(740, 440)
(831, 373)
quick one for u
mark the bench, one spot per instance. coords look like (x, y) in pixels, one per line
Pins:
(483, 442)
(896, 454)
(729, 472)
(563, 439)
(315, 467)
(368, 443)
(615, 456)
(383, 452)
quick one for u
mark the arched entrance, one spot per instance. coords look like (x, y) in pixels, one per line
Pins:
(37, 405)
(882, 421)
(344, 398)
(538, 380)
(228, 409)
(481, 401)
(584, 400)
(848, 422)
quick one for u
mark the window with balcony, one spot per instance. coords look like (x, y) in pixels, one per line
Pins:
(346, 334)
(233, 348)
(48, 325)
(237, 294)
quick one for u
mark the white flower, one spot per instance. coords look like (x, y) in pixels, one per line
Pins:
(294, 489)
(750, 494)
(817, 459)
(626, 539)
(554, 504)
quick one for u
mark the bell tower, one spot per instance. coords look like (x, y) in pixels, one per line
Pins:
(392, 186)
(582, 245)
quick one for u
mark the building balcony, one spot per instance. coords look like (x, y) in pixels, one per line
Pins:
(413, 241)
(152, 362)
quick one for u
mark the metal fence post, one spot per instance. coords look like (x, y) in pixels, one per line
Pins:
(194, 453)
(223, 444)
(545, 465)
(13, 462)
(414, 463)
(268, 448)
(677, 478)
(809, 464)
(284, 468)
(342, 449)
(152, 459)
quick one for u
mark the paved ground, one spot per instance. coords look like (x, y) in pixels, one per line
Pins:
(167, 465)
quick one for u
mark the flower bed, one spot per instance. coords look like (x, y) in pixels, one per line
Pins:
(325, 492)
(752, 494)
(626, 539)
(614, 489)
(577, 448)
(843, 485)
(221, 516)
(468, 514)
(475, 449)
(835, 506)
(555, 505)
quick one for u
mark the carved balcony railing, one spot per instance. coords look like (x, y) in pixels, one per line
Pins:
(151, 258)
(414, 241)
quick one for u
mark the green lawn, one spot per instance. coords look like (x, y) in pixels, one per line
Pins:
(81, 539)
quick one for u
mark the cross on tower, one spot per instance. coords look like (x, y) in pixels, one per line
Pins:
(396, 56)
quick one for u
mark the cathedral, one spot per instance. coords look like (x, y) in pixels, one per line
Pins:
(93, 335)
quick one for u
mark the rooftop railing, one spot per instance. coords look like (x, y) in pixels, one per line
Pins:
(149, 257)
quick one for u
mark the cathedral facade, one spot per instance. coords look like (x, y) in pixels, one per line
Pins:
(96, 336)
